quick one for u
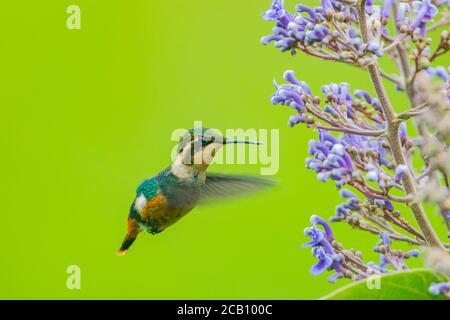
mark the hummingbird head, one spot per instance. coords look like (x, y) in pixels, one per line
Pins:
(198, 147)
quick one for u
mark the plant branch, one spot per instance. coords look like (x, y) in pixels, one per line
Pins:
(394, 138)
(392, 77)
(368, 133)
(413, 112)
(445, 21)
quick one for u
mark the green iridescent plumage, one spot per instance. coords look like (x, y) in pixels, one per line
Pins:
(149, 188)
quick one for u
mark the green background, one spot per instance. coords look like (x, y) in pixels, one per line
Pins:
(87, 114)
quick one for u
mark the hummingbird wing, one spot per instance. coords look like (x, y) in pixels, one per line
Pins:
(218, 185)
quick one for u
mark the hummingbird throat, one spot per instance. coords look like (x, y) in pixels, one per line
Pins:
(192, 161)
(185, 171)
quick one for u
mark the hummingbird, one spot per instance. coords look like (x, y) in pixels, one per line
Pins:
(163, 199)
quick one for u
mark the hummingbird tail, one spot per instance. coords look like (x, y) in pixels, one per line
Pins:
(133, 231)
(125, 245)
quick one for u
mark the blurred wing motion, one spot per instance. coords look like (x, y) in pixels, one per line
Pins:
(219, 185)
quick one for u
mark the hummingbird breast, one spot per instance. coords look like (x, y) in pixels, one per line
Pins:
(173, 198)
(181, 193)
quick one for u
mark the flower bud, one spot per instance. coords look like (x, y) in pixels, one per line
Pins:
(316, 100)
(340, 17)
(424, 63)
(344, 55)
(355, 222)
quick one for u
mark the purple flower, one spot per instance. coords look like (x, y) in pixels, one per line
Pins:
(308, 26)
(372, 173)
(316, 236)
(325, 261)
(403, 131)
(376, 267)
(375, 48)
(439, 72)
(354, 40)
(400, 171)
(403, 13)
(315, 33)
(387, 9)
(344, 193)
(334, 277)
(327, 6)
(394, 258)
(285, 44)
(369, 8)
(424, 12)
(389, 205)
(412, 253)
(293, 120)
(308, 10)
(291, 94)
(338, 92)
(385, 237)
(277, 12)
(268, 39)
(282, 38)
(438, 288)
(383, 261)
(316, 220)
(362, 94)
(364, 144)
(341, 104)
(322, 249)
(345, 209)
(329, 162)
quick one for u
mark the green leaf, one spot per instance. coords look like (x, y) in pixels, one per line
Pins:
(402, 285)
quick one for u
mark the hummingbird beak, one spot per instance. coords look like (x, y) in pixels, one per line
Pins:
(226, 141)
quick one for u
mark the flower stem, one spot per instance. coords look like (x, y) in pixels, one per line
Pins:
(394, 138)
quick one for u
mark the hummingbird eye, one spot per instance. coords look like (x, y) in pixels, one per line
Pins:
(208, 140)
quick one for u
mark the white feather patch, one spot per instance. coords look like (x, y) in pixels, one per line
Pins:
(140, 203)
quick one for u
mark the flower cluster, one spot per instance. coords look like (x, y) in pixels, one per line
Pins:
(389, 256)
(322, 249)
(375, 216)
(331, 160)
(362, 141)
(411, 17)
(331, 255)
(325, 31)
(343, 111)
(330, 32)
(359, 161)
